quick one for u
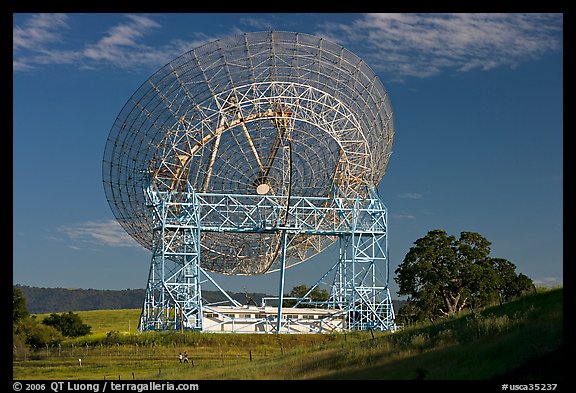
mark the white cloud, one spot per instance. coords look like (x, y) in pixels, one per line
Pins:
(423, 45)
(122, 45)
(401, 216)
(39, 30)
(258, 23)
(401, 45)
(119, 38)
(548, 282)
(410, 195)
(33, 42)
(99, 233)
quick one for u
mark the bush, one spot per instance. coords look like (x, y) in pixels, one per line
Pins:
(36, 334)
(43, 335)
(113, 337)
(69, 324)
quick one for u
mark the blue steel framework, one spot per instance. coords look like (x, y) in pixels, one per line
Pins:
(359, 290)
(260, 150)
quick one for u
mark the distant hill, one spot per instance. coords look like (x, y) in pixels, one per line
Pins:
(48, 300)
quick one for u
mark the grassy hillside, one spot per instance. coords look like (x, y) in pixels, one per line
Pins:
(519, 340)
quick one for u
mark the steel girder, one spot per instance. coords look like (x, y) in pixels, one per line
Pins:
(359, 289)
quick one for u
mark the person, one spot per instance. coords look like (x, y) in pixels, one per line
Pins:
(180, 358)
(185, 357)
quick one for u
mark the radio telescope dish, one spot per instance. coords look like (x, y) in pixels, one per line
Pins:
(263, 113)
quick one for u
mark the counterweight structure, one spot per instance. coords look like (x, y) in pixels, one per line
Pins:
(249, 155)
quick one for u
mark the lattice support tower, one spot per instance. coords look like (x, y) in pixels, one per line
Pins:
(359, 292)
(173, 299)
(360, 285)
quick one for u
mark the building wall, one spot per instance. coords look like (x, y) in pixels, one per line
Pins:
(264, 320)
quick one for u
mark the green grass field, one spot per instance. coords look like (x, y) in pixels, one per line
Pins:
(521, 339)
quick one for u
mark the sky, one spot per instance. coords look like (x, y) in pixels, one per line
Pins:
(478, 143)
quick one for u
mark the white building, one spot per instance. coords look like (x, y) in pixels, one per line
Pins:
(254, 319)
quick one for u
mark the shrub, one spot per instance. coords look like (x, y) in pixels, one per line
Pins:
(69, 324)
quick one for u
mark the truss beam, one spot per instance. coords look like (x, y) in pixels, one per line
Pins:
(359, 295)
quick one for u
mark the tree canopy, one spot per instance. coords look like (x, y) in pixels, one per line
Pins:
(19, 309)
(26, 330)
(315, 295)
(441, 275)
(69, 324)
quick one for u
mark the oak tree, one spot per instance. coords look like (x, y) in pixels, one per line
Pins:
(441, 275)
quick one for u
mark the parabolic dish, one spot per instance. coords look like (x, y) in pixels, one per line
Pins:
(263, 113)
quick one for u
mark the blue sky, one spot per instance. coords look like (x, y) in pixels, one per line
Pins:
(478, 111)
